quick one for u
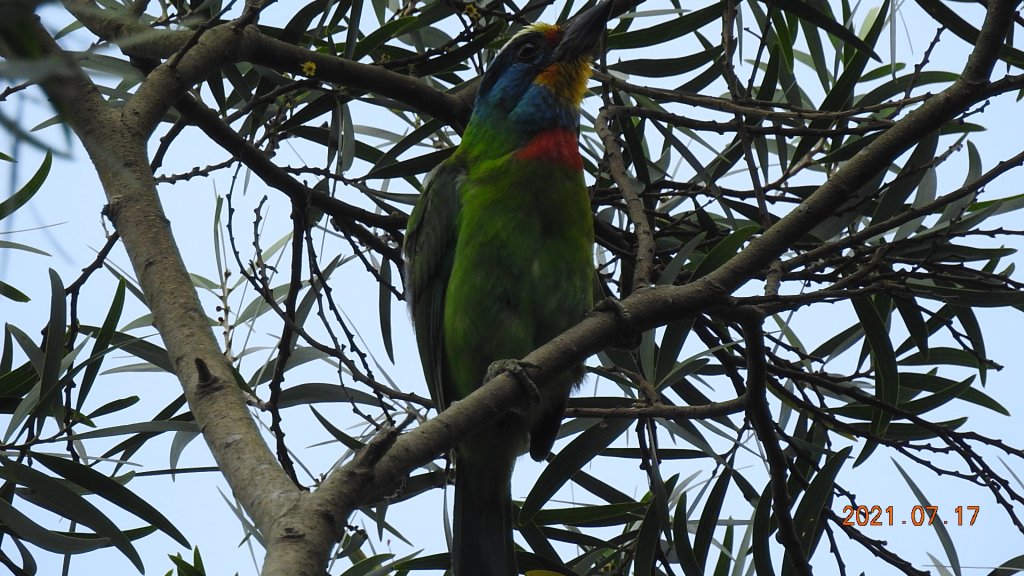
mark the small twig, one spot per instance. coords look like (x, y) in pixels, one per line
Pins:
(761, 419)
(703, 412)
(284, 344)
(643, 275)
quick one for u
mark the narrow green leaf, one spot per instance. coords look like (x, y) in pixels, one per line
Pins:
(302, 21)
(178, 444)
(932, 383)
(384, 308)
(854, 207)
(839, 343)
(53, 350)
(809, 516)
(457, 58)
(114, 406)
(633, 145)
(665, 67)
(138, 347)
(346, 440)
(816, 53)
(112, 491)
(909, 178)
(648, 542)
(414, 138)
(368, 565)
(898, 86)
(25, 193)
(382, 35)
(807, 13)
(184, 568)
(681, 540)
(102, 343)
(27, 405)
(535, 564)
(914, 322)
(348, 139)
(320, 392)
(942, 355)
(938, 524)
(599, 488)
(26, 529)
(1009, 567)
(259, 306)
(12, 293)
(760, 546)
(70, 505)
(569, 461)
(591, 515)
(659, 33)
(973, 330)
(709, 518)
(939, 398)
(898, 431)
(417, 165)
(140, 427)
(725, 552)
(6, 357)
(129, 446)
(671, 271)
(724, 251)
(842, 91)
(538, 541)
(887, 378)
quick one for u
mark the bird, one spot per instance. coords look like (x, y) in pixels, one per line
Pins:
(499, 260)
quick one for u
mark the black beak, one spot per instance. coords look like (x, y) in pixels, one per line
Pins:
(583, 32)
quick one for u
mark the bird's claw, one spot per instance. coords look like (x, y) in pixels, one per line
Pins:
(612, 304)
(631, 338)
(518, 369)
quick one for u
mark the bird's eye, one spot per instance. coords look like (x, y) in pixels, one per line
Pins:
(527, 51)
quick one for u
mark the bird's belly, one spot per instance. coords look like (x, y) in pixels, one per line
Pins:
(512, 289)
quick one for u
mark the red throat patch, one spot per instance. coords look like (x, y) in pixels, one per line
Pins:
(558, 146)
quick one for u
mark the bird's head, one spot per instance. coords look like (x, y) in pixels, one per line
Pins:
(539, 78)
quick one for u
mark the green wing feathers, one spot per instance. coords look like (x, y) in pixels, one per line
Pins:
(429, 251)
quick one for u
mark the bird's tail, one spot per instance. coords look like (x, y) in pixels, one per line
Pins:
(483, 516)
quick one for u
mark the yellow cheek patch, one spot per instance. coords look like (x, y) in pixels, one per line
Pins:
(567, 79)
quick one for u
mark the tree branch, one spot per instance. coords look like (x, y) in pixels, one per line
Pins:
(118, 152)
(227, 44)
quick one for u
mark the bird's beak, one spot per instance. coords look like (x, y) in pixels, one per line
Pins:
(583, 32)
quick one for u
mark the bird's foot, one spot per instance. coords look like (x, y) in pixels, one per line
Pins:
(631, 338)
(613, 304)
(518, 369)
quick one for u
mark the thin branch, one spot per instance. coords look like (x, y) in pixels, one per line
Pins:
(761, 419)
(643, 275)
(702, 412)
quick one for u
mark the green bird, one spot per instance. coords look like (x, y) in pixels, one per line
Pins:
(499, 254)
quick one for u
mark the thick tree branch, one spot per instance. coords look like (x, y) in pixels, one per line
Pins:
(227, 44)
(118, 152)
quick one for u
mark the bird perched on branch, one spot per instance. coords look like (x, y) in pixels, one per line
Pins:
(499, 261)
